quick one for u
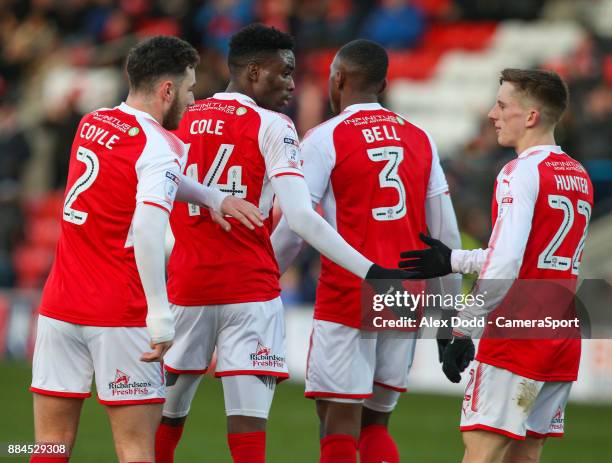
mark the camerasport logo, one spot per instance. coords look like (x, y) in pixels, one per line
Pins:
(122, 386)
(263, 357)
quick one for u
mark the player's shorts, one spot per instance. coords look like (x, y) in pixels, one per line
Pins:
(344, 362)
(67, 355)
(249, 337)
(500, 401)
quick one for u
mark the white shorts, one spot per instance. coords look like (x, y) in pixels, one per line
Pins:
(249, 337)
(344, 362)
(66, 356)
(500, 401)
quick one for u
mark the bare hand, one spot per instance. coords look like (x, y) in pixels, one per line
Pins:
(219, 220)
(248, 214)
(157, 355)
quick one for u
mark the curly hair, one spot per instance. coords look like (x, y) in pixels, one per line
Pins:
(254, 43)
(159, 56)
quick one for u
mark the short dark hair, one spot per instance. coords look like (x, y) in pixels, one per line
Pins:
(369, 57)
(159, 56)
(545, 87)
(255, 42)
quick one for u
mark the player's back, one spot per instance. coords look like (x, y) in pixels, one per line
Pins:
(94, 279)
(230, 139)
(563, 196)
(380, 177)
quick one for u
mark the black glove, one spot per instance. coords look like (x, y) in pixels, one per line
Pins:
(458, 354)
(442, 343)
(386, 280)
(428, 263)
(376, 272)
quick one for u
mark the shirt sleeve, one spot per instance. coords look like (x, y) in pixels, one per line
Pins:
(437, 179)
(516, 197)
(468, 261)
(159, 175)
(279, 144)
(318, 166)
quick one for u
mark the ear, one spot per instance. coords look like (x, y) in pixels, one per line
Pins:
(252, 71)
(533, 118)
(383, 86)
(166, 89)
(339, 79)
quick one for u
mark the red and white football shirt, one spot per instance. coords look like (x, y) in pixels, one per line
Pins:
(119, 157)
(371, 170)
(236, 146)
(541, 210)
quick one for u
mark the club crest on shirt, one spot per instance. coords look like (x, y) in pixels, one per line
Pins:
(241, 111)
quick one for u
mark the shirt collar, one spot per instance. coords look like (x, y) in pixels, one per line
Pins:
(547, 148)
(133, 111)
(363, 107)
(234, 96)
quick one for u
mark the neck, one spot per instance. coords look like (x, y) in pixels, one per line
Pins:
(234, 87)
(142, 103)
(350, 98)
(535, 139)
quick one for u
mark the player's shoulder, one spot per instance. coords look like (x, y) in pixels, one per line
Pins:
(112, 118)
(325, 129)
(268, 117)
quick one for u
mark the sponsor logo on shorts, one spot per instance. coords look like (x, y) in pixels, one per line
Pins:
(122, 386)
(556, 425)
(263, 357)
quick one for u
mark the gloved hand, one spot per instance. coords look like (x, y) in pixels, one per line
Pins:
(432, 262)
(458, 354)
(442, 343)
(376, 272)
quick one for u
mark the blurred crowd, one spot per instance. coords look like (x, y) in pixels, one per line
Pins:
(62, 58)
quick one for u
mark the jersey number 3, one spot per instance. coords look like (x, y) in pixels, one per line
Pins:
(389, 178)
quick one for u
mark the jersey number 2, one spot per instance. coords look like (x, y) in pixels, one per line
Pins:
(92, 167)
(234, 184)
(547, 259)
(389, 178)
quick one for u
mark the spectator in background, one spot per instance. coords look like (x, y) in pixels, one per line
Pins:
(220, 19)
(395, 24)
(14, 153)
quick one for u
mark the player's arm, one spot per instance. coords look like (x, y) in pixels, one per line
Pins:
(219, 203)
(444, 255)
(149, 228)
(504, 259)
(295, 202)
(317, 170)
(158, 179)
(442, 225)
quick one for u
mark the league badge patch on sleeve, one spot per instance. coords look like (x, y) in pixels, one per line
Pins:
(172, 183)
(292, 152)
